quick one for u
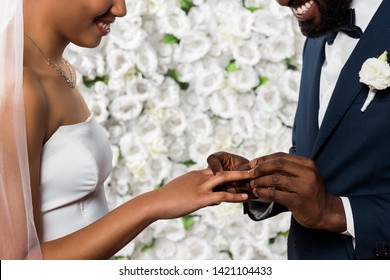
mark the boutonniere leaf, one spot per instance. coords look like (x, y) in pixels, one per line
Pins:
(375, 73)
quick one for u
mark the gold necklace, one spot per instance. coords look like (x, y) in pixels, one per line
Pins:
(70, 81)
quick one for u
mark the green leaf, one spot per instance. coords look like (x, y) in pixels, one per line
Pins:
(232, 66)
(89, 83)
(383, 56)
(230, 254)
(263, 80)
(186, 5)
(121, 258)
(149, 246)
(170, 39)
(188, 221)
(175, 75)
(188, 163)
(254, 9)
(290, 65)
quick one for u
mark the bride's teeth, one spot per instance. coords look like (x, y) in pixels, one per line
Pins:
(104, 26)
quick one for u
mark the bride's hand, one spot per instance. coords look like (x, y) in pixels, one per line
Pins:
(194, 190)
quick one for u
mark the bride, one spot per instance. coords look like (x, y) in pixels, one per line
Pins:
(54, 156)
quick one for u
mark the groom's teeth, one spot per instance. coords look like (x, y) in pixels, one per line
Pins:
(304, 8)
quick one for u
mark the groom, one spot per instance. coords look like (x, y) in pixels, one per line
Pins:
(336, 178)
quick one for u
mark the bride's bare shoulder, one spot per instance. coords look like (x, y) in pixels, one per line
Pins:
(35, 99)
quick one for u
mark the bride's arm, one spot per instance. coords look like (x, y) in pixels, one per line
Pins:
(103, 238)
(108, 235)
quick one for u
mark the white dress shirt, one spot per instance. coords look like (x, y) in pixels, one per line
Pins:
(336, 55)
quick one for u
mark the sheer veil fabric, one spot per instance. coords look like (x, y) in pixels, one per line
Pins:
(18, 238)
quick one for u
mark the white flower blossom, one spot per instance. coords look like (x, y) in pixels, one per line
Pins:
(192, 47)
(375, 73)
(244, 79)
(175, 22)
(246, 53)
(223, 103)
(125, 108)
(171, 86)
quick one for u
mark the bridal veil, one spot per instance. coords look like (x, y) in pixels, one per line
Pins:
(18, 238)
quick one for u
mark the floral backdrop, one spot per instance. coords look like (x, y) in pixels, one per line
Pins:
(177, 80)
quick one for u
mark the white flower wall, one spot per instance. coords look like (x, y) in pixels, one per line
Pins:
(177, 80)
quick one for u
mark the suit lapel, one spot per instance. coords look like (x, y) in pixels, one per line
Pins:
(313, 59)
(371, 44)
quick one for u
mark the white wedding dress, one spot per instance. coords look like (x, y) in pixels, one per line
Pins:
(76, 161)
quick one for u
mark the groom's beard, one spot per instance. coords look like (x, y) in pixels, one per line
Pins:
(331, 12)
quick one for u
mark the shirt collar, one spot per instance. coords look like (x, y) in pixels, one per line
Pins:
(365, 10)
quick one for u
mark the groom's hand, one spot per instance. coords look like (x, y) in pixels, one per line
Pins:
(223, 161)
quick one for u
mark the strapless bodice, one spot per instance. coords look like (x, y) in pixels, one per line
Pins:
(76, 161)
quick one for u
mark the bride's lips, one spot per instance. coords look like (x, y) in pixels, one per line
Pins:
(306, 11)
(104, 26)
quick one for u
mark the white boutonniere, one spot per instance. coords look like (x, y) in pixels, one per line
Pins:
(375, 73)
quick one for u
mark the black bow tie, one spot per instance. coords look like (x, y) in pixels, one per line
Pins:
(347, 26)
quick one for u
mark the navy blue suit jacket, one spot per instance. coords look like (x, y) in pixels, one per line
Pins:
(351, 149)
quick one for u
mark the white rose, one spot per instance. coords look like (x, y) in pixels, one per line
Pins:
(225, 9)
(271, 70)
(119, 62)
(242, 248)
(127, 250)
(149, 127)
(87, 67)
(165, 249)
(135, 8)
(242, 124)
(201, 149)
(246, 53)
(277, 48)
(98, 107)
(283, 141)
(115, 87)
(176, 23)
(128, 35)
(100, 88)
(171, 229)
(125, 108)
(157, 168)
(199, 125)
(116, 129)
(157, 7)
(244, 79)
(186, 72)
(132, 148)
(192, 47)
(141, 89)
(121, 187)
(175, 122)
(209, 80)
(266, 123)
(223, 103)
(268, 23)
(156, 146)
(177, 150)
(375, 73)
(241, 23)
(268, 98)
(289, 85)
(146, 60)
(222, 134)
(195, 248)
(115, 155)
